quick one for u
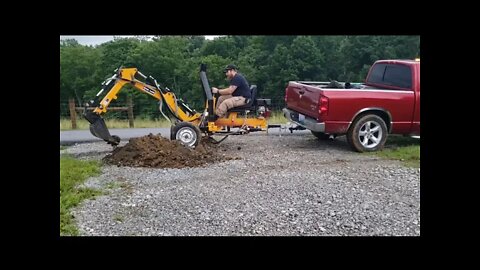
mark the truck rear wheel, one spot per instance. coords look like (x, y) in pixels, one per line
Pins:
(186, 133)
(367, 133)
(320, 135)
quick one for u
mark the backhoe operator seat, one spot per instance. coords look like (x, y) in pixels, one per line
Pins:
(250, 103)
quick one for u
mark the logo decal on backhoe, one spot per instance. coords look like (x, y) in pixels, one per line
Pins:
(148, 90)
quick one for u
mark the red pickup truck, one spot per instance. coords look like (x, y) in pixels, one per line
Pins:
(388, 102)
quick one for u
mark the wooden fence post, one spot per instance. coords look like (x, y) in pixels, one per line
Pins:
(73, 114)
(130, 111)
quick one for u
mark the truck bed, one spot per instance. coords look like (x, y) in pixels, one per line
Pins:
(324, 85)
(303, 98)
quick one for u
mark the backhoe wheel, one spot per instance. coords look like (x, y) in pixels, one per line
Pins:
(321, 136)
(186, 133)
(367, 134)
(172, 133)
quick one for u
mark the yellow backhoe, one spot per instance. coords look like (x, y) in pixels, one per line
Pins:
(188, 125)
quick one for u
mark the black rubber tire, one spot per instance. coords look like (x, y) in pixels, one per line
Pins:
(320, 135)
(354, 140)
(175, 129)
(172, 132)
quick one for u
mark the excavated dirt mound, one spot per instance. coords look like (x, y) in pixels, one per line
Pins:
(158, 152)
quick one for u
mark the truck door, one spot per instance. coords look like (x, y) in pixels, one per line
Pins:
(416, 114)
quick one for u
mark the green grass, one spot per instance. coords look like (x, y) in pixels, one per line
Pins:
(63, 147)
(405, 149)
(277, 118)
(118, 218)
(66, 124)
(72, 173)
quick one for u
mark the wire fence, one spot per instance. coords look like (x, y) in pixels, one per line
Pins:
(120, 115)
(277, 104)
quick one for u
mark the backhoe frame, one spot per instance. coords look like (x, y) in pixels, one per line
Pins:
(205, 122)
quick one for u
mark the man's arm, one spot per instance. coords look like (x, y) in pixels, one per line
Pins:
(226, 91)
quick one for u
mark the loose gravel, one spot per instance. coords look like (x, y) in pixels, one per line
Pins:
(288, 185)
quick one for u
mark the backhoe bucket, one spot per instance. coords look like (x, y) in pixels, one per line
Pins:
(99, 129)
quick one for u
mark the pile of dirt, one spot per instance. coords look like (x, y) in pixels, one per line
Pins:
(158, 152)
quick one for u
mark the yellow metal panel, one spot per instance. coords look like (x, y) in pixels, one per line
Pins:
(128, 73)
(111, 95)
(213, 128)
(147, 89)
(238, 122)
(170, 100)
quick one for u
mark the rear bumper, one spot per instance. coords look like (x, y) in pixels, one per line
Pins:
(308, 123)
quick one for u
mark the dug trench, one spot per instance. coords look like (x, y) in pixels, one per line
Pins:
(155, 151)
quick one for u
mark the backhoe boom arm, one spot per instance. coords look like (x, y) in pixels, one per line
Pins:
(114, 84)
(127, 75)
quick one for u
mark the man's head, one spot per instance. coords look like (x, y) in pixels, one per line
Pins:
(230, 71)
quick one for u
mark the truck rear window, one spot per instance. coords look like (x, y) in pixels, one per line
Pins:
(394, 75)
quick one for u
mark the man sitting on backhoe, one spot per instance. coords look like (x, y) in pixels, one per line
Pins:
(233, 96)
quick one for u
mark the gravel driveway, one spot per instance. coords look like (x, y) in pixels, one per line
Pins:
(288, 185)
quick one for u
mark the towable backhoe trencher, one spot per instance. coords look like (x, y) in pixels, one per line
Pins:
(189, 124)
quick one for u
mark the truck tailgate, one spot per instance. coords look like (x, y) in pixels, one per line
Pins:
(303, 98)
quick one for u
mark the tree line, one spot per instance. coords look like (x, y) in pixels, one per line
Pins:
(267, 61)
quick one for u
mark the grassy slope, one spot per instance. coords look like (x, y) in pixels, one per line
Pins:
(405, 149)
(72, 173)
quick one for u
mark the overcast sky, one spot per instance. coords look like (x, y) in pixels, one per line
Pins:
(95, 40)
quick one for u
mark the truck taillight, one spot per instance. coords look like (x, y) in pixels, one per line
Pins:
(267, 113)
(323, 106)
(286, 95)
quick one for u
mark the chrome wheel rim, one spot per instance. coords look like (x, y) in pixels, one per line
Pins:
(186, 136)
(370, 134)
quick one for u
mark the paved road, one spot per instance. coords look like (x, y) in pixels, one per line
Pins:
(70, 137)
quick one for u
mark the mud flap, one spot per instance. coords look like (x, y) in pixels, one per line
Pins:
(99, 129)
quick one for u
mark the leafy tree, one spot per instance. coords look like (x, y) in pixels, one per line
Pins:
(267, 61)
(115, 53)
(69, 42)
(194, 92)
(195, 43)
(78, 74)
(222, 46)
(281, 68)
(308, 60)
